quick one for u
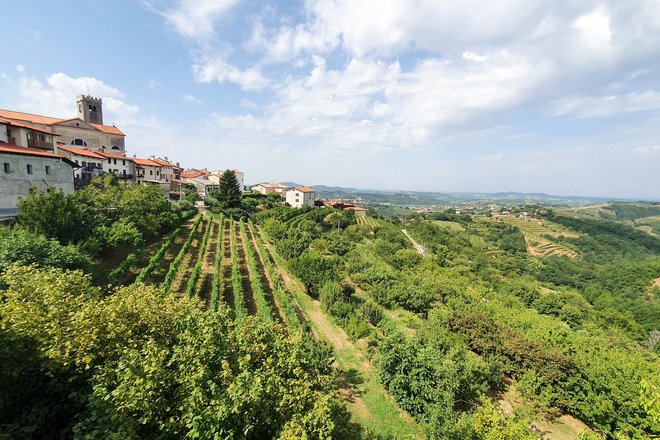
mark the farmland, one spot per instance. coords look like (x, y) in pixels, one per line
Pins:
(223, 262)
(539, 237)
(230, 264)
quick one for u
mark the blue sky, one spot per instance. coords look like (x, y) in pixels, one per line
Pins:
(548, 96)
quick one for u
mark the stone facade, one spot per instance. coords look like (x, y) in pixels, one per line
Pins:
(20, 171)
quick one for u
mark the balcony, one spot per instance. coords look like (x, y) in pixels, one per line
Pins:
(36, 143)
(11, 140)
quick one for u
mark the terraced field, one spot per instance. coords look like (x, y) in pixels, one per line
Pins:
(365, 220)
(538, 237)
(222, 261)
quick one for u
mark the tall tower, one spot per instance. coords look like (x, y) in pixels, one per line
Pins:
(90, 109)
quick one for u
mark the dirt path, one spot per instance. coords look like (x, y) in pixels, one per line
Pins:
(246, 287)
(369, 402)
(420, 249)
(205, 285)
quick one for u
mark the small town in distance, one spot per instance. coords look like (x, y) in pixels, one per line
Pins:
(67, 154)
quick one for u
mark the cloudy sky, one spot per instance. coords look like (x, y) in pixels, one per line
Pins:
(548, 96)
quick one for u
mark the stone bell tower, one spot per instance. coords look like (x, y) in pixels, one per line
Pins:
(90, 109)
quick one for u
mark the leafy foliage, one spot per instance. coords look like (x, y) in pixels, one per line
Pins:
(143, 364)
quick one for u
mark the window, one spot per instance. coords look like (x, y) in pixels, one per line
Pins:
(48, 169)
(29, 169)
(79, 142)
(123, 162)
(151, 172)
(114, 147)
(7, 167)
(115, 161)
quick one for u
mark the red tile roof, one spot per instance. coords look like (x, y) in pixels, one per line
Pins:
(353, 208)
(15, 149)
(145, 162)
(113, 155)
(305, 189)
(29, 127)
(47, 120)
(191, 175)
(110, 129)
(80, 152)
(35, 119)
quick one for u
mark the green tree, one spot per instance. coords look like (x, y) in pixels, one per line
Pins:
(229, 193)
(64, 217)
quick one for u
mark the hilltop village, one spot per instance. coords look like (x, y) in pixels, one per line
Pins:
(43, 151)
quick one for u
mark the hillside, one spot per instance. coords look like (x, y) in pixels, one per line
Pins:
(640, 215)
(383, 199)
(284, 322)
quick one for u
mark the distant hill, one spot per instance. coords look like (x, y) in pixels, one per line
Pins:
(422, 198)
(644, 216)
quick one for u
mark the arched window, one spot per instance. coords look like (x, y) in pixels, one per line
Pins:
(79, 142)
(114, 147)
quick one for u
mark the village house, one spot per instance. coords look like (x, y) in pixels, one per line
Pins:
(118, 164)
(168, 170)
(90, 164)
(300, 196)
(26, 135)
(215, 177)
(26, 168)
(85, 130)
(345, 206)
(146, 170)
(267, 188)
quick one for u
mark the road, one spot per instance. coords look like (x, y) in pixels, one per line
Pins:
(418, 246)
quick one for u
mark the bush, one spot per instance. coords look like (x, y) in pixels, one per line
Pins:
(143, 364)
(18, 245)
(314, 271)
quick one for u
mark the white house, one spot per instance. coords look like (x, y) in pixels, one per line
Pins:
(267, 188)
(146, 170)
(25, 168)
(90, 163)
(300, 196)
(118, 164)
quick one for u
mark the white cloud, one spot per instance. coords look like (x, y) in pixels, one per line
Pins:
(195, 19)
(647, 150)
(591, 107)
(191, 99)
(153, 84)
(20, 68)
(471, 56)
(215, 68)
(595, 28)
